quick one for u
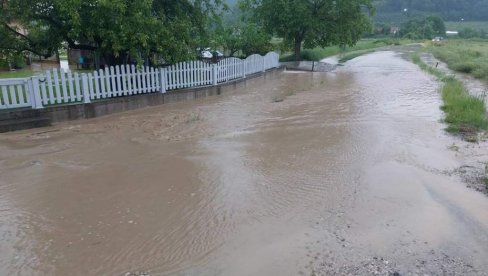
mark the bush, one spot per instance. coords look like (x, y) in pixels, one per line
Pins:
(18, 61)
(4, 64)
(14, 61)
(464, 67)
(481, 72)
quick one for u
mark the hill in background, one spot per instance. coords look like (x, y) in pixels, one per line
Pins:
(396, 11)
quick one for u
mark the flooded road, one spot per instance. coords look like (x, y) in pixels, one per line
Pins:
(348, 172)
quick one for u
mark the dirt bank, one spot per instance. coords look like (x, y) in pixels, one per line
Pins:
(350, 172)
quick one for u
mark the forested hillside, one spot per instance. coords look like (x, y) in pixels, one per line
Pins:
(450, 10)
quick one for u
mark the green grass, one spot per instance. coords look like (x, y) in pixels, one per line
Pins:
(465, 114)
(475, 25)
(466, 56)
(30, 73)
(16, 74)
(318, 53)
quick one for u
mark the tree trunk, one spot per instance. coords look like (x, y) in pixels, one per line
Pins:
(58, 60)
(298, 45)
(298, 48)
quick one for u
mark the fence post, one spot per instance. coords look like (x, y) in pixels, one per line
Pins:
(264, 62)
(85, 88)
(35, 95)
(162, 74)
(244, 69)
(214, 74)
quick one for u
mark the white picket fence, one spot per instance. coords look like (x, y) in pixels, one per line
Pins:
(56, 87)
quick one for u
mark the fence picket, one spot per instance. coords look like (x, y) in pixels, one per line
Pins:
(143, 80)
(49, 81)
(123, 77)
(149, 79)
(177, 73)
(106, 79)
(173, 77)
(98, 81)
(113, 86)
(56, 86)
(118, 84)
(129, 79)
(77, 87)
(70, 87)
(103, 93)
(90, 86)
(6, 101)
(157, 82)
(65, 94)
(20, 95)
(13, 99)
(3, 97)
(45, 99)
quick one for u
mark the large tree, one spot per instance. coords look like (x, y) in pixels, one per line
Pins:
(313, 22)
(115, 30)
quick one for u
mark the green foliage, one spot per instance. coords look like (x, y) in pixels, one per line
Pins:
(246, 38)
(12, 61)
(312, 23)
(255, 40)
(480, 26)
(471, 33)
(423, 28)
(117, 30)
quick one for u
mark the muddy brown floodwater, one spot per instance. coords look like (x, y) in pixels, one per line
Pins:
(300, 174)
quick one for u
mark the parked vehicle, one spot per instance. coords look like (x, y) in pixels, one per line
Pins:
(209, 53)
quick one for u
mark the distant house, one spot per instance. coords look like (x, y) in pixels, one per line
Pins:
(394, 30)
(452, 33)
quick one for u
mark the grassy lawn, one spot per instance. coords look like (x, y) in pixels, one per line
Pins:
(30, 73)
(361, 47)
(466, 56)
(465, 114)
(16, 74)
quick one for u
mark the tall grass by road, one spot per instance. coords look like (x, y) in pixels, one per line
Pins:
(465, 114)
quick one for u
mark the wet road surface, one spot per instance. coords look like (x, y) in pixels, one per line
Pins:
(346, 172)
